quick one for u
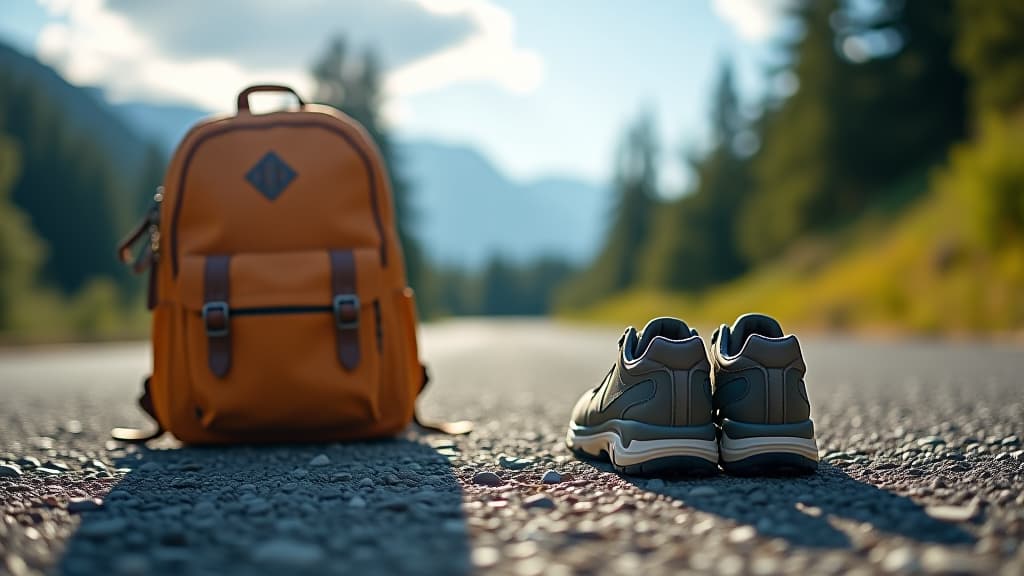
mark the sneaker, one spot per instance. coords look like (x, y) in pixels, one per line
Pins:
(760, 402)
(652, 411)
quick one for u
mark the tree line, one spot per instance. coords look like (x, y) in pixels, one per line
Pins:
(867, 104)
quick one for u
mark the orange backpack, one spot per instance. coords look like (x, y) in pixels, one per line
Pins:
(277, 285)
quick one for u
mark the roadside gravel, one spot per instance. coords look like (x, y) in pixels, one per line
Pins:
(922, 471)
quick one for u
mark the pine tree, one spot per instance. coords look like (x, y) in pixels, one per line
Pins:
(617, 266)
(694, 244)
(21, 251)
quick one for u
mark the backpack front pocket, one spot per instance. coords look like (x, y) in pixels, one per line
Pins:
(283, 341)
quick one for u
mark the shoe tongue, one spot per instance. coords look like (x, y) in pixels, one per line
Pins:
(749, 324)
(671, 328)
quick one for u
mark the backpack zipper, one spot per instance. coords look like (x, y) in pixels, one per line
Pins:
(271, 310)
(275, 310)
(363, 155)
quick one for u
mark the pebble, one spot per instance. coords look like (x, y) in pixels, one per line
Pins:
(366, 482)
(10, 471)
(49, 471)
(103, 528)
(58, 465)
(357, 502)
(1010, 441)
(930, 441)
(951, 513)
(76, 505)
(939, 560)
(486, 557)
(299, 473)
(551, 477)
(900, 559)
(539, 501)
(288, 553)
(513, 463)
(132, 565)
(742, 534)
(257, 506)
(29, 462)
(341, 477)
(488, 479)
(702, 492)
(320, 460)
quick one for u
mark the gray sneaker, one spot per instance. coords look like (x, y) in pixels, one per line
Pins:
(652, 411)
(760, 402)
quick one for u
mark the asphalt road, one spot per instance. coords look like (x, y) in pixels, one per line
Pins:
(922, 471)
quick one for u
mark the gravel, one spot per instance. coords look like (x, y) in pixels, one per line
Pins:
(551, 477)
(9, 471)
(487, 479)
(922, 472)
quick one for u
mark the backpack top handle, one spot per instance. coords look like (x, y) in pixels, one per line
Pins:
(243, 96)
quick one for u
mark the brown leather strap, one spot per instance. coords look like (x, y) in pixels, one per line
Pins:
(217, 314)
(345, 303)
(134, 435)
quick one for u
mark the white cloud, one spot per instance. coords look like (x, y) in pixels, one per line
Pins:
(128, 51)
(753, 20)
(488, 55)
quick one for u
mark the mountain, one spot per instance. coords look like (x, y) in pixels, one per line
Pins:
(468, 211)
(81, 174)
(85, 110)
(165, 124)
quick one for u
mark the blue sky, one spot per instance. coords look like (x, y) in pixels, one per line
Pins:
(541, 87)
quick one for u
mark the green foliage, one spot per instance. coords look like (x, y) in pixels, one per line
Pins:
(877, 96)
(618, 264)
(989, 48)
(986, 179)
(502, 288)
(837, 218)
(694, 243)
(21, 252)
(68, 187)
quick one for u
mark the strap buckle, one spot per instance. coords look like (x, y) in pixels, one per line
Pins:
(346, 311)
(216, 318)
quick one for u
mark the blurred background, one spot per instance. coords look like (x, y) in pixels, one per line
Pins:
(843, 165)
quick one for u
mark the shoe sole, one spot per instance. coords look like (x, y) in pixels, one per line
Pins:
(768, 448)
(640, 449)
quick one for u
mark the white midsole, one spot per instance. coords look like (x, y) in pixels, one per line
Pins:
(641, 450)
(740, 448)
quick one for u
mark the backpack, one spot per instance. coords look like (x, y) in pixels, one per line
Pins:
(277, 285)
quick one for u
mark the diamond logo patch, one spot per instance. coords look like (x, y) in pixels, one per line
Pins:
(270, 175)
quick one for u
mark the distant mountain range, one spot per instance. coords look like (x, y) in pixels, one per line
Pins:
(467, 210)
(84, 108)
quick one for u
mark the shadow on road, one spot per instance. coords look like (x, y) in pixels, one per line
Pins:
(808, 510)
(390, 507)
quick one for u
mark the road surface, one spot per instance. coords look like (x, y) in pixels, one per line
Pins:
(922, 471)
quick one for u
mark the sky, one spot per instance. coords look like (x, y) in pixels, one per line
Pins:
(541, 87)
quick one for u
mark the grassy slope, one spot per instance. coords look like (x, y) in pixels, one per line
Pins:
(928, 270)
